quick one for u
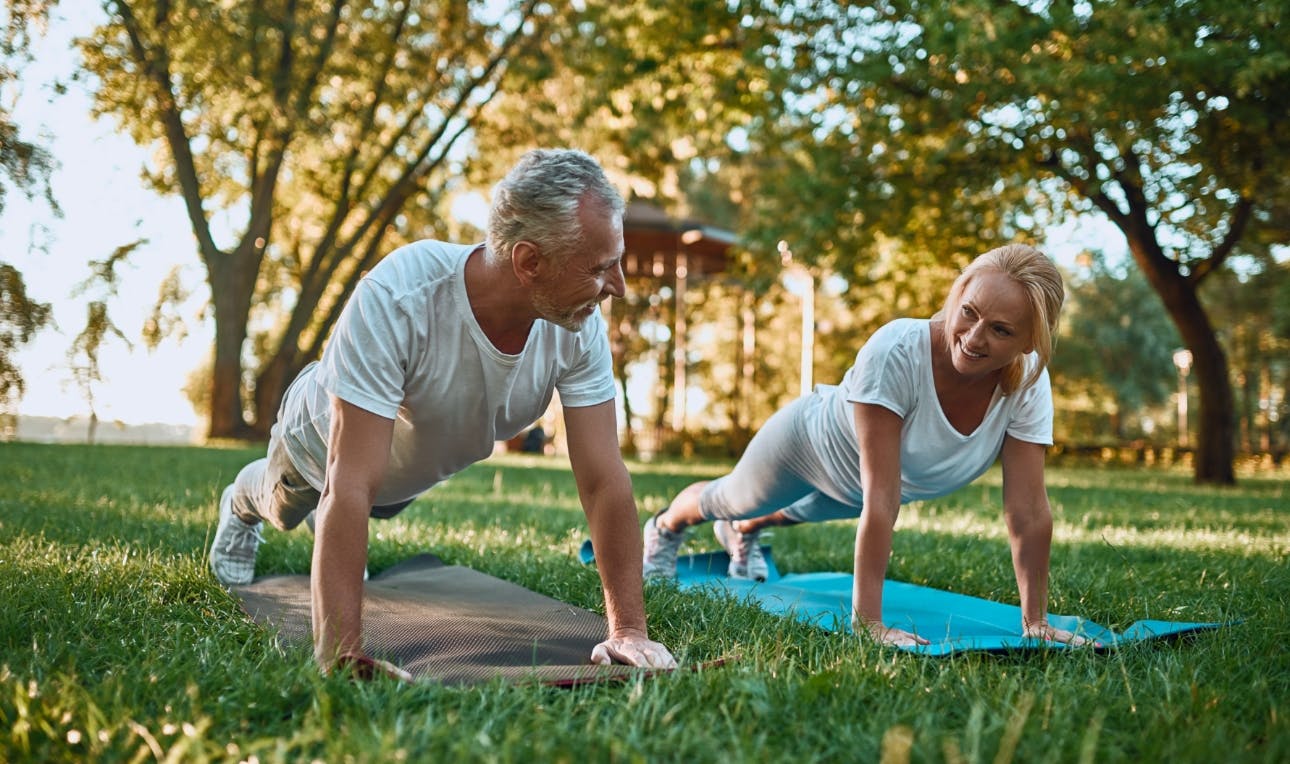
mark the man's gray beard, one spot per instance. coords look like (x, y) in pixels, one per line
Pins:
(567, 320)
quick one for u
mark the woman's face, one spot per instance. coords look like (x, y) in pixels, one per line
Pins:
(990, 325)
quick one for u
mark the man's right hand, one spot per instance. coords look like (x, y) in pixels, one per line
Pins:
(633, 650)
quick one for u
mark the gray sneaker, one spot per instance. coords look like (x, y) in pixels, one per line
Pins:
(746, 559)
(661, 546)
(236, 542)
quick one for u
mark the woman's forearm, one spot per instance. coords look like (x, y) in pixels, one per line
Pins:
(1031, 548)
(872, 552)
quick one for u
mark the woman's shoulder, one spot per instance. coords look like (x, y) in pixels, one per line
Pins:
(910, 333)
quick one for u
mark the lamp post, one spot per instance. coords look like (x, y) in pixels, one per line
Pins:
(1182, 360)
(799, 281)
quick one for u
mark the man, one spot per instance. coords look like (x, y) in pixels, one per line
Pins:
(442, 350)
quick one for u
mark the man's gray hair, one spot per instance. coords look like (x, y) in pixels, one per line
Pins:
(538, 200)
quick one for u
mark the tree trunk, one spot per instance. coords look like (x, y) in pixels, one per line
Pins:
(1215, 442)
(618, 360)
(1215, 446)
(270, 386)
(231, 293)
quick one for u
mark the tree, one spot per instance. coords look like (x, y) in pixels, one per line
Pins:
(26, 166)
(20, 318)
(83, 355)
(1253, 309)
(958, 125)
(1116, 347)
(322, 133)
(297, 134)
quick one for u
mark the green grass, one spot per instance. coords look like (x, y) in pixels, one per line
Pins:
(117, 645)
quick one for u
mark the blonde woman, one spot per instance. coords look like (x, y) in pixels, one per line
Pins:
(927, 407)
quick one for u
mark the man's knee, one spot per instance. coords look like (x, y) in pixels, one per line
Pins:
(292, 501)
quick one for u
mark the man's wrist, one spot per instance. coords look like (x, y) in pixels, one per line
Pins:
(355, 665)
(629, 632)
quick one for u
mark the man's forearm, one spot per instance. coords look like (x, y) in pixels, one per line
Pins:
(617, 540)
(339, 558)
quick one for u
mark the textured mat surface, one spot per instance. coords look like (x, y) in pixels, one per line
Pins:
(952, 622)
(451, 624)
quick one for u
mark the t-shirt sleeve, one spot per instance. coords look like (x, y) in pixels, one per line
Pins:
(1032, 421)
(365, 361)
(590, 380)
(884, 373)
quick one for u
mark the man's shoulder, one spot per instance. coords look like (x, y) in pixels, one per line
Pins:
(426, 258)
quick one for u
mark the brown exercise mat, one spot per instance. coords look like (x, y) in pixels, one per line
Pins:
(451, 624)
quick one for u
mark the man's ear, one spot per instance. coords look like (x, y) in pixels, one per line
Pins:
(527, 262)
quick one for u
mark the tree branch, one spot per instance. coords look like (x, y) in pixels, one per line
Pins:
(157, 70)
(1241, 216)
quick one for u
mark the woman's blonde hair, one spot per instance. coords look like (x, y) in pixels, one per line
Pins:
(1042, 282)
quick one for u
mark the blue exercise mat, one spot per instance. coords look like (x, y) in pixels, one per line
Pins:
(952, 622)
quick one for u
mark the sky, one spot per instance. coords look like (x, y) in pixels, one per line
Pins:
(105, 205)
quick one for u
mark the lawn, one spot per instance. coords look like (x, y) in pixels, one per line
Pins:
(116, 644)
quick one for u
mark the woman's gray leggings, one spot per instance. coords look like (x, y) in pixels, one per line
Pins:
(778, 470)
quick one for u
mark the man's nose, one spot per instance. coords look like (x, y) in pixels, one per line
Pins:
(616, 282)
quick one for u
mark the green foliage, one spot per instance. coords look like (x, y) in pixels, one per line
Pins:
(325, 131)
(20, 318)
(332, 132)
(27, 166)
(1253, 309)
(83, 355)
(1173, 101)
(1115, 350)
(952, 127)
(118, 645)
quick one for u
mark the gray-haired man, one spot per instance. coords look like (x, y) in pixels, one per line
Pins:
(442, 350)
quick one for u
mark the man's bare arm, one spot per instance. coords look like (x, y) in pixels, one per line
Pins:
(606, 492)
(357, 456)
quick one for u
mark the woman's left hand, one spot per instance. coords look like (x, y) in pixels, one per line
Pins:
(1049, 633)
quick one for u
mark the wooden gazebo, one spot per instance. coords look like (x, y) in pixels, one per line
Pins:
(673, 251)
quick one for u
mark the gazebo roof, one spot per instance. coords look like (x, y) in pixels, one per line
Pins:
(653, 240)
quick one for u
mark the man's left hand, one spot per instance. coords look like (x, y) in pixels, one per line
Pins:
(633, 650)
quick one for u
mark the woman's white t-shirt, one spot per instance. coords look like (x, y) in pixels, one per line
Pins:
(407, 347)
(894, 370)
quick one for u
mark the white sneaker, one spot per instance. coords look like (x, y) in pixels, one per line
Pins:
(661, 546)
(236, 542)
(746, 559)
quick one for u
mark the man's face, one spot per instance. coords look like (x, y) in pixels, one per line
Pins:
(590, 275)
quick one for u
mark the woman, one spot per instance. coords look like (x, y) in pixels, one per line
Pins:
(926, 409)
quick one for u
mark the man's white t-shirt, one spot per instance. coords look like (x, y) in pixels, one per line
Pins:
(894, 370)
(407, 347)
